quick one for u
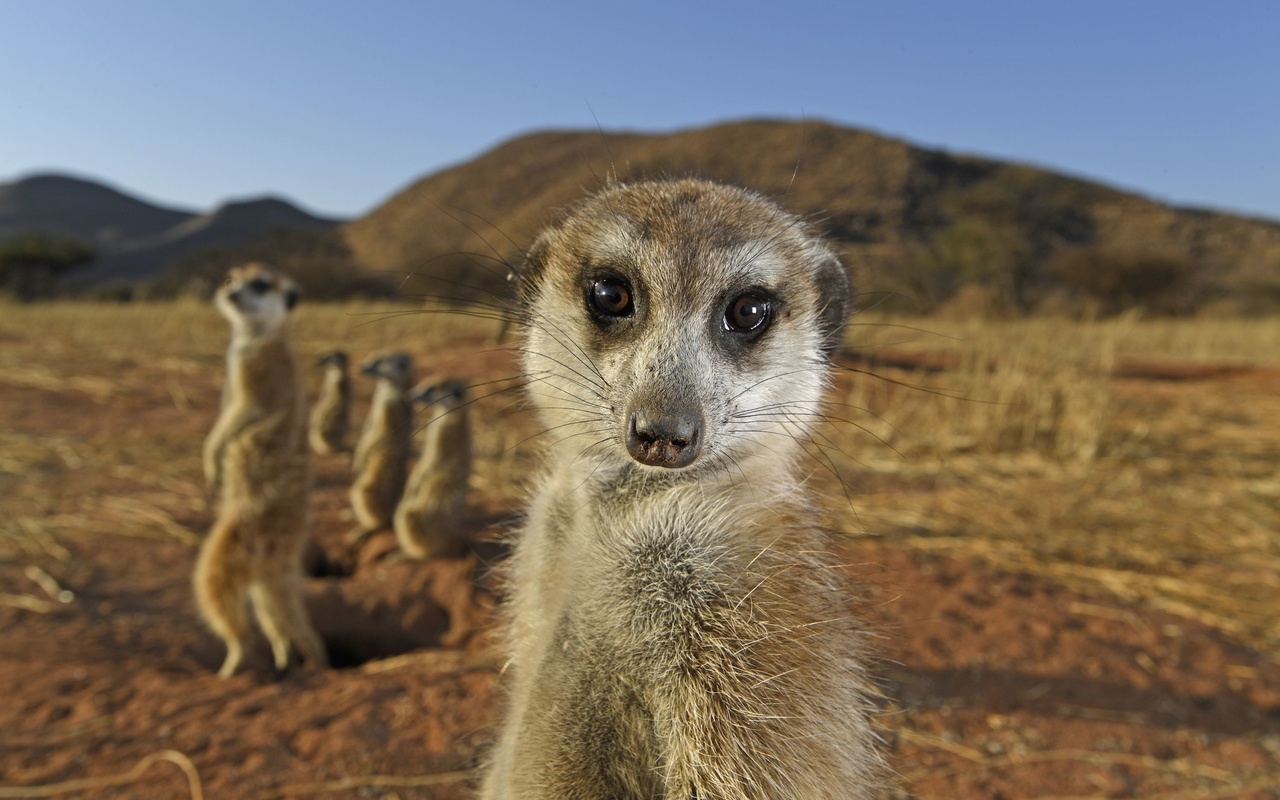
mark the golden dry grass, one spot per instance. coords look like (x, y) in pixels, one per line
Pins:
(1164, 490)
(1035, 457)
(1023, 450)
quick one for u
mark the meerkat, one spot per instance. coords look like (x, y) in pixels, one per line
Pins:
(256, 457)
(382, 454)
(331, 415)
(427, 517)
(677, 625)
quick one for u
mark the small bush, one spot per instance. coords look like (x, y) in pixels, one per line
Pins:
(1120, 280)
(31, 264)
(318, 260)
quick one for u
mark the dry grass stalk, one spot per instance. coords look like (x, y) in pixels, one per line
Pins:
(136, 511)
(101, 390)
(27, 603)
(50, 586)
(123, 779)
(37, 533)
(434, 662)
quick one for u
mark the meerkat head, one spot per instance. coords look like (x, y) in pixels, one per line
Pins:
(256, 299)
(334, 358)
(681, 325)
(449, 393)
(394, 367)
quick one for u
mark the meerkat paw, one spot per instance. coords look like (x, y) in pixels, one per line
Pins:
(235, 654)
(280, 652)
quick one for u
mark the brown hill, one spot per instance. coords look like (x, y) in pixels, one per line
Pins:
(916, 222)
(65, 207)
(233, 224)
(134, 241)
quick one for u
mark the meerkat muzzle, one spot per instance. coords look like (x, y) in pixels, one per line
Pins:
(665, 440)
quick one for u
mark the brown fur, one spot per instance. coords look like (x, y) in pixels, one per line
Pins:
(678, 625)
(382, 455)
(257, 457)
(331, 415)
(428, 518)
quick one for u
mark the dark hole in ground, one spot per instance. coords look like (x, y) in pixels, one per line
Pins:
(362, 622)
(318, 562)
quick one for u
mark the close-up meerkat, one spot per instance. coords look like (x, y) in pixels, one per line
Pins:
(331, 414)
(428, 517)
(256, 457)
(381, 460)
(677, 623)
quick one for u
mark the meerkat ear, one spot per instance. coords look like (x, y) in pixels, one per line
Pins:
(291, 297)
(530, 271)
(835, 301)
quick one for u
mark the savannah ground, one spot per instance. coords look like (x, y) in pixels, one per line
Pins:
(1068, 535)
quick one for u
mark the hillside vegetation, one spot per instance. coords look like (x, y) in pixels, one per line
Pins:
(929, 229)
(921, 230)
(122, 244)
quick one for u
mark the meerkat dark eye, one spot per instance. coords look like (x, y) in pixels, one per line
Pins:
(611, 297)
(746, 314)
(259, 286)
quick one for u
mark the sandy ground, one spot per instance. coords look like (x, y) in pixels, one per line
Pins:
(1001, 684)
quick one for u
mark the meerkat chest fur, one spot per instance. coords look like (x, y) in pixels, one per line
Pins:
(387, 429)
(678, 627)
(335, 393)
(336, 382)
(263, 372)
(446, 445)
(388, 407)
(264, 390)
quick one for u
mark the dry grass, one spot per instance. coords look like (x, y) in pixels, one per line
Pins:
(1023, 450)
(1020, 449)
(1037, 459)
(194, 787)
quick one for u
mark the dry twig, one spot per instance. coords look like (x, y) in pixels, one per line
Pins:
(54, 789)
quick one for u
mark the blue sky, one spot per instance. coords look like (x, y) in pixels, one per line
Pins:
(338, 105)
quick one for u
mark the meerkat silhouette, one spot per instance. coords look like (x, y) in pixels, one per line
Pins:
(256, 457)
(381, 459)
(331, 415)
(677, 625)
(428, 517)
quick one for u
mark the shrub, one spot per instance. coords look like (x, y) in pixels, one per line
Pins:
(318, 260)
(1119, 279)
(31, 264)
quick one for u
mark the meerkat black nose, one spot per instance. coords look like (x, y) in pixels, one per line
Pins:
(665, 440)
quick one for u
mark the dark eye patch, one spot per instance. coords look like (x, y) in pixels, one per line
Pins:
(260, 285)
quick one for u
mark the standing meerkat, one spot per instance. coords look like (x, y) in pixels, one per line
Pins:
(331, 415)
(382, 455)
(678, 626)
(435, 496)
(257, 458)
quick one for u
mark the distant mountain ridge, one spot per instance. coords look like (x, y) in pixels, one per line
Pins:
(66, 207)
(908, 220)
(136, 241)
